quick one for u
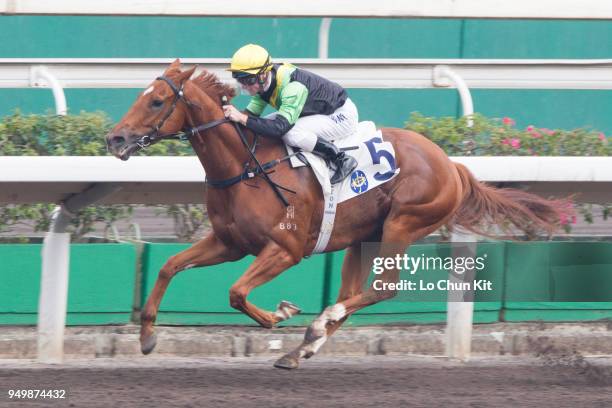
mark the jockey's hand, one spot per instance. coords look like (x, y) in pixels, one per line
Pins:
(234, 114)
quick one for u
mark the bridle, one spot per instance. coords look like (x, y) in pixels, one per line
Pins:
(179, 95)
(248, 173)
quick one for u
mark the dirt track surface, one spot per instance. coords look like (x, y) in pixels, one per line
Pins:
(372, 381)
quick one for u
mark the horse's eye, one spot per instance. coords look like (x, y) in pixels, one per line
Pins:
(157, 103)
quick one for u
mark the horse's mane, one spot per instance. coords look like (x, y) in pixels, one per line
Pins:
(210, 83)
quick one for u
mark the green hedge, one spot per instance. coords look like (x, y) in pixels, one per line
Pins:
(500, 137)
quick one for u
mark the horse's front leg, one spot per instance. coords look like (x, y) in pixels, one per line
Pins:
(209, 251)
(270, 262)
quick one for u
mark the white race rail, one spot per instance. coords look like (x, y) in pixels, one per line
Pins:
(541, 9)
(145, 179)
(350, 73)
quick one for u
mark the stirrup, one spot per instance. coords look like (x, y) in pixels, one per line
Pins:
(348, 164)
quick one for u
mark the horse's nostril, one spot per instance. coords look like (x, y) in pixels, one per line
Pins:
(117, 141)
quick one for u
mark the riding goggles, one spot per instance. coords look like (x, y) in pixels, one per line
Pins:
(247, 79)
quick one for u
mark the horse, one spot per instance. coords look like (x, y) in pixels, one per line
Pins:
(247, 217)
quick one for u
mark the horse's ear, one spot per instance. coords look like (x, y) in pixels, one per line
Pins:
(185, 75)
(175, 66)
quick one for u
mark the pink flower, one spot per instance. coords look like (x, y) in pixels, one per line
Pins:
(515, 143)
(506, 141)
(602, 137)
(530, 128)
(535, 134)
(508, 121)
(548, 131)
(567, 213)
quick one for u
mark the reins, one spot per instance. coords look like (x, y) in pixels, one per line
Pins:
(248, 173)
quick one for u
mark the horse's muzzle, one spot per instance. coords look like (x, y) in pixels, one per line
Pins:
(120, 147)
(115, 142)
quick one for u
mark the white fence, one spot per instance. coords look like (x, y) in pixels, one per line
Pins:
(151, 180)
(542, 9)
(351, 73)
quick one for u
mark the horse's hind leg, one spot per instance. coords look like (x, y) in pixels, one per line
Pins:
(354, 275)
(398, 234)
(209, 251)
(355, 270)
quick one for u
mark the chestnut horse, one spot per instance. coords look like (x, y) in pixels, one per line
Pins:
(429, 192)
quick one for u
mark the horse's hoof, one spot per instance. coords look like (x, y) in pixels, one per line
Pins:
(287, 362)
(148, 344)
(286, 310)
(267, 325)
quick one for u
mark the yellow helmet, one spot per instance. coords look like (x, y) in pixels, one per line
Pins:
(251, 59)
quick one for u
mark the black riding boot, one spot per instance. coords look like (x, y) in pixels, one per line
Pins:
(344, 163)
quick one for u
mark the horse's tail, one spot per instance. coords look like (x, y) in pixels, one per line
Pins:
(483, 205)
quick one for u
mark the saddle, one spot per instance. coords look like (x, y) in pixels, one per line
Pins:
(375, 158)
(376, 166)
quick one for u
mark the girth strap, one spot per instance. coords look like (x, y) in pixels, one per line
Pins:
(250, 173)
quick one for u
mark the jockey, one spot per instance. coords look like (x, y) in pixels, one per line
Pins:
(311, 110)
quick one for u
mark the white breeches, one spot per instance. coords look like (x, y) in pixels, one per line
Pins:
(338, 125)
